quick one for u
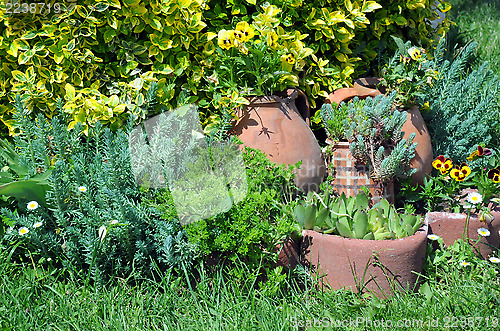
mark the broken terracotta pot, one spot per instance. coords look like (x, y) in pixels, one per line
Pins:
(377, 266)
(415, 123)
(450, 227)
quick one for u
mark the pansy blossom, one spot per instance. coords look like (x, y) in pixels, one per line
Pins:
(415, 53)
(459, 173)
(244, 32)
(494, 174)
(479, 152)
(225, 39)
(442, 164)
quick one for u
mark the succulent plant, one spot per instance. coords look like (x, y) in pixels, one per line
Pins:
(353, 217)
(373, 130)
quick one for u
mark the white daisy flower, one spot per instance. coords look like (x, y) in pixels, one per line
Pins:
(495, 200)
(113, 222)
(432, 237)
(37, 225)
(474, 198)
(9, 230)
(483, 232)
(464, 264)
(49, 259)
(32, 205)
(494, 259)
(82, 189)
(24, 230)
(102, 232)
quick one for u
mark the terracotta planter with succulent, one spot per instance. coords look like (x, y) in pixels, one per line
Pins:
(352, 245)
(422, 161)
(377, 152)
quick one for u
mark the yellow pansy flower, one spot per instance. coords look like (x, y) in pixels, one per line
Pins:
(415, 53)
(225, 39)
(244, 32)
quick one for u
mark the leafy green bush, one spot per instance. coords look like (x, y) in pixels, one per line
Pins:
(252, 228)
(94, 222)
(464, 107)
(102, 56)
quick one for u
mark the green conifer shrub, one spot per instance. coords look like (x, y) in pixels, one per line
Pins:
(464, 106)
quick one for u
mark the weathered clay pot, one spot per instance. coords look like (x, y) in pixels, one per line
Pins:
(349, 176)
(379, 266)
(288, 253)
(278, 128)
(450, 227)
(415, 123)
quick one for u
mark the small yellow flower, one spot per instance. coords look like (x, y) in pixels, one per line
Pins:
(82, 189)
(290, 59)
(37, 225)
(415, 53)
(225, 39)
(32, 205)
(244, 32)
(24, 230)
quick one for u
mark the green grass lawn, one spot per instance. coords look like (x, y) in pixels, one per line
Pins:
(479, 20)
(36, 299)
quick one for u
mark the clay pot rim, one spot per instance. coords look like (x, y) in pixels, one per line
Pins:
(458, 216)
(424, 228)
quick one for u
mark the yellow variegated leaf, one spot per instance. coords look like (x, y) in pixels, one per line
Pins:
(138, 10)
(31, 75)
(444, 6)
(370, 6)
(137, 83)
(341, 57)
(114, 3)
(348, 5)
(70, 92)
(113, 101)
(184, 3)
(156, 24)
(210, 35)
(19, 76)
(119, 108)
(113, 22)
(82, 11)
(399, 20)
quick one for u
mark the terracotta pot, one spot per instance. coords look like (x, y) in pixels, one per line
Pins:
(365, 87)
(278, 128)
(349, 176)
(450, 227)
(379, 266)
(289, 251)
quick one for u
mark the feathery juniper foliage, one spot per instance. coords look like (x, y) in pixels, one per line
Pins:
(464, 108)
(95, 221)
